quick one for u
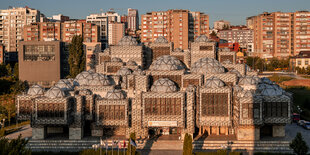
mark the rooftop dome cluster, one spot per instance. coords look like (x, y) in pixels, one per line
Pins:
(207, 65)
(164, 85)
(128, 41)
(115, 94)
(214, 82)
(123, 71)
(167, 63)
(92, 79)
(55, 92)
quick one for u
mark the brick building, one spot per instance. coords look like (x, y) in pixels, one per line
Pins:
(62, 31)
(280, 34)
(178, 26)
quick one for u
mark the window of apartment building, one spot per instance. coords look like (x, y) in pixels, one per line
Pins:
(298, 62)
(306, 62)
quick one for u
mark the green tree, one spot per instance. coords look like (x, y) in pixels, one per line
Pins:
(19, 86)
(131, 150)
(9, 69)
(16, 71)
(14, 147)
(187, 145)
(213, 33)
(77, 57)
(3, 70)
(299, 145)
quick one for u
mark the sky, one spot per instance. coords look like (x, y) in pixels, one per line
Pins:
(234, 11)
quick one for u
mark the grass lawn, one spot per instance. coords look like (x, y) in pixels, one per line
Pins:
(278, 79)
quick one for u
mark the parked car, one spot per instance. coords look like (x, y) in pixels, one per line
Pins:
(295, 117)
(307, 125)
(301, 122)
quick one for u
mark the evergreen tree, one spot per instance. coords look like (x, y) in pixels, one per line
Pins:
(299, 145)
(9, 69)
(187, 145)
(131, 150)
(16, 71)
(77, 57)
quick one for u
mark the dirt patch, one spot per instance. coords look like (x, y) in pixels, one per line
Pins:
(297, 82)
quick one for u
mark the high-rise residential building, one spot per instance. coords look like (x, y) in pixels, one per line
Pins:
(12, 21)
(63, 31)
(177, 26)
(280, 34)
(238, 34)
(133, 19)
(102, 20)
(116, 32)
(219, 25)
(1, 54)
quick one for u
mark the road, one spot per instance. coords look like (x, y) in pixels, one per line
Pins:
(292, 129)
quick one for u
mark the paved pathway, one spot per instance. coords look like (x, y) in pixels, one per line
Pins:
(25, 131)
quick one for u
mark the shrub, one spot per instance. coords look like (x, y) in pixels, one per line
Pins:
(299, 145)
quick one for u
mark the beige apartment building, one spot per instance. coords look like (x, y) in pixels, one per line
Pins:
(280, 34)
(177, 26)
(116, 32)
(12, 21)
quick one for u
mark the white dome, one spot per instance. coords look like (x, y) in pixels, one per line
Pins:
(115, 94)
(234, 71)
(161, 39)
(167, 63)
(64, 84)
(92, 79)
(206, 66)
(128, 41)
(214, 82)
(131, 63)
(115, 59)
(55, 92)
(202, 38)
(123, 71)
(35, 90)
(82, 78)
(138, 71)
(164, 85)
(248, 80)
(245, 94)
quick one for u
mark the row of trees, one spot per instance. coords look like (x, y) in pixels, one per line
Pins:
(263, 65)
(303, 70)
